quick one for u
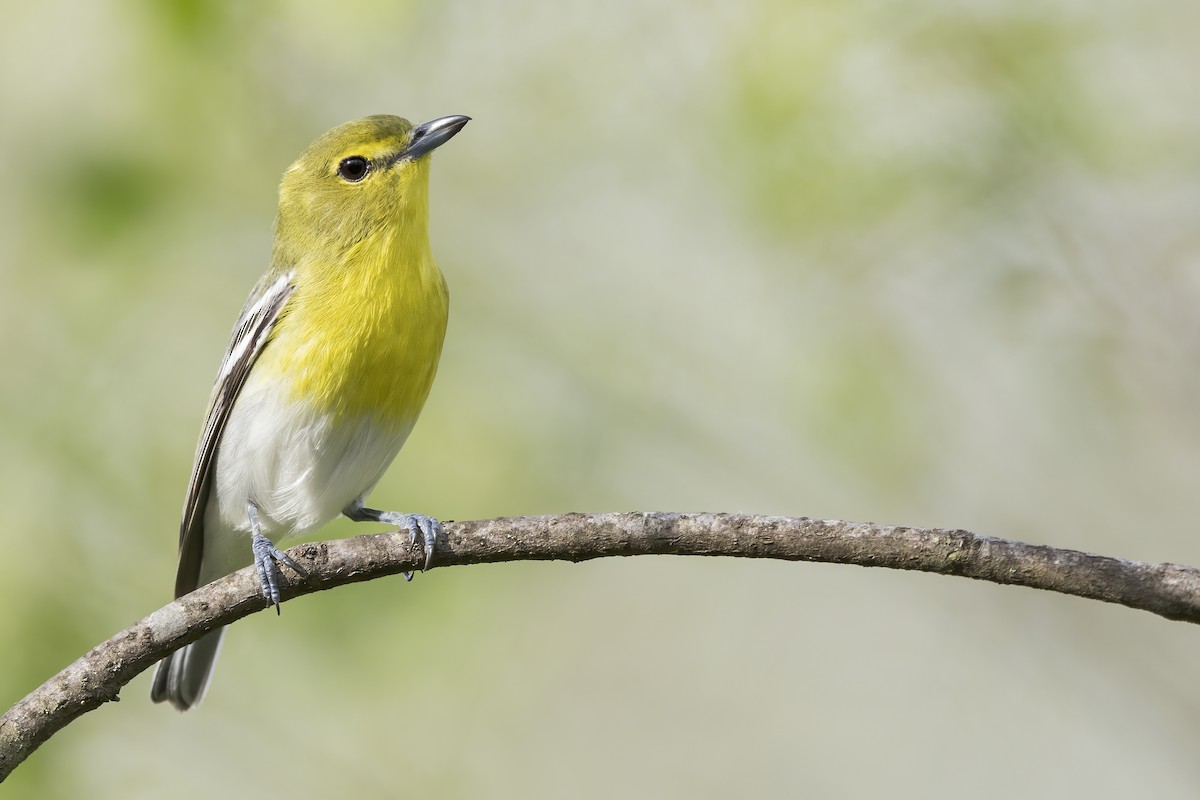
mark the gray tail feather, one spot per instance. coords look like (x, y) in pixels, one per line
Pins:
(182, 677)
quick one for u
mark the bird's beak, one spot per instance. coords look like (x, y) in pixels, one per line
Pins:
(433, 134)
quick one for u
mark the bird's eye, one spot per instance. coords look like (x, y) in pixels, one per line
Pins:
(354, 169)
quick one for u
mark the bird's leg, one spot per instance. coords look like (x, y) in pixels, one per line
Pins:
(267, 558)
(427, 528)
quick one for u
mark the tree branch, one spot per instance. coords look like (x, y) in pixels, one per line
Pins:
(1169, 590)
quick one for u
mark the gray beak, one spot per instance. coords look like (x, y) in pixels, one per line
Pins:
(433, 134)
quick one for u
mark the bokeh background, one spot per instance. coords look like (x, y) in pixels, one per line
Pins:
(929, 263)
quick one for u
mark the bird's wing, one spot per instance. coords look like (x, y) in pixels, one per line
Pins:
(251, 333)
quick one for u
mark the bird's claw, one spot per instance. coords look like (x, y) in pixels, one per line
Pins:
(418, 525)
(267, 558)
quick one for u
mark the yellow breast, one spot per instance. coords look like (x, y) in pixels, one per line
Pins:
(363, 336)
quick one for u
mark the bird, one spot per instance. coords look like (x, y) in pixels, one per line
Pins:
(329, 364)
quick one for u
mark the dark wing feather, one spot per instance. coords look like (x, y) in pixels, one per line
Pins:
(250, 335)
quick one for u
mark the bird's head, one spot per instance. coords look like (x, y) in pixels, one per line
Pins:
(360, 177)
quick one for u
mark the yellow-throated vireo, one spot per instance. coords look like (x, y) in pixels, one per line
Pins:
(330, 362)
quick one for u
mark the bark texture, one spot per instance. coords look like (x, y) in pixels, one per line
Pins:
(1169, 590)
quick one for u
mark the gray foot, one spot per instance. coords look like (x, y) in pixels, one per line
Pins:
(267, 558)
(427, 528)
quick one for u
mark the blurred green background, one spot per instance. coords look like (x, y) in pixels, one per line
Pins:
(928, 263)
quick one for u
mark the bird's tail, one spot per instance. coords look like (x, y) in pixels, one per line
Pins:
(182, 677)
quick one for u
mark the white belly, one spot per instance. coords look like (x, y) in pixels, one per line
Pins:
(298, 466)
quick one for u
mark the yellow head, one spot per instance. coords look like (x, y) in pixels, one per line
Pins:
(354, 180)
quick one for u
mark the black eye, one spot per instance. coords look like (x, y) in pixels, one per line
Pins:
(354, 168)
